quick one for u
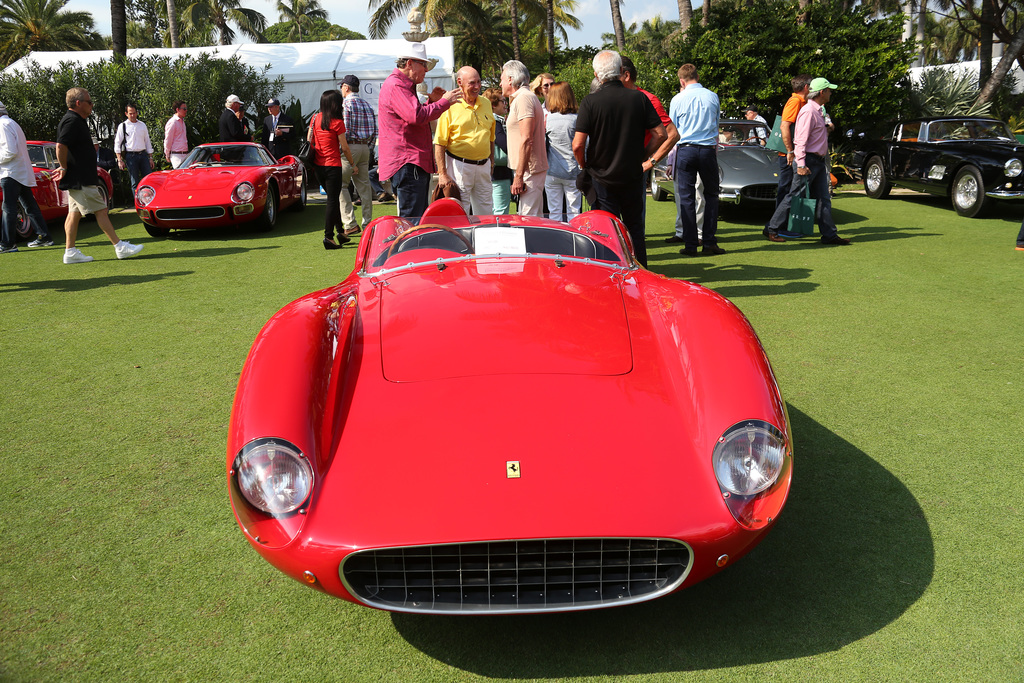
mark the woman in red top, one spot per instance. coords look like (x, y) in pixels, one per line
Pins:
(327, 137)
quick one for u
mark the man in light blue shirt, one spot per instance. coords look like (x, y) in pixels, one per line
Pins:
(695, 112)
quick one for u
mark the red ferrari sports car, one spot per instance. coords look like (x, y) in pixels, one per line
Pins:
(53, 202)
(498, 414)
(221, 184)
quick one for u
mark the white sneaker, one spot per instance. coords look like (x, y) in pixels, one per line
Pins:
(72, 255)
(126, 249)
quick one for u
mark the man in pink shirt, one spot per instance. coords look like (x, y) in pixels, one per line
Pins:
(406, 149)
(527, 149)
(811, 152)
(175, 138)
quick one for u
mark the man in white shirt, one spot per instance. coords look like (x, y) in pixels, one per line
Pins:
(133, 147)
(175, 137)
(17, 180)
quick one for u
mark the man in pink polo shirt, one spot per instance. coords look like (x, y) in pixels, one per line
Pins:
(811, 153)
(406, 154)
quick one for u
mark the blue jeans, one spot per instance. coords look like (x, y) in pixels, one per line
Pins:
(14, 194)
(412, 184)
(693, 161)
(138, 168)
(785, 180)
(628, 204)
(819, 181)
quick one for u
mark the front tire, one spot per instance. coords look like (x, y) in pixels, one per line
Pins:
(24, 227)
(876, 183)
(154, 231)
(968, 193)
(268, 218)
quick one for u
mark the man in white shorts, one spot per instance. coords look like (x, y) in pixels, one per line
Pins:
(77, 174)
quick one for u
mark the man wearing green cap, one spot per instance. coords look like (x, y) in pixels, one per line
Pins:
(811, 151)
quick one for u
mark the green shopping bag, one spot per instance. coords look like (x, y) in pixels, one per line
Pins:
(801, 213)
(775, 142)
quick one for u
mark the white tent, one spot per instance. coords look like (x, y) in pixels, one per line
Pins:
(307, 68)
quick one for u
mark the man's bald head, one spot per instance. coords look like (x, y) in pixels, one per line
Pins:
(468, 80)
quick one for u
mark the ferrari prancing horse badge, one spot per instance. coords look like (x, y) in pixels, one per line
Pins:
(512, 469)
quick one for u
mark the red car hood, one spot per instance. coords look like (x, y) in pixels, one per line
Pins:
(441, 325)
(608, 440)
(202, 179)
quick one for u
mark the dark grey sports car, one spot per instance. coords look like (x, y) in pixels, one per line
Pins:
(747, 172)
(971, 160)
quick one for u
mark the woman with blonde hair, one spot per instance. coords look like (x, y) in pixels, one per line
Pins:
(540, 86)
(560, 125)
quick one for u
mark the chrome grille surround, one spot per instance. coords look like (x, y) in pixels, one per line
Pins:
(759, 192)
(501, 577)
(190, 213)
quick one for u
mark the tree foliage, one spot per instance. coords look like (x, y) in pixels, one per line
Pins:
(41, 26)
(315, 30)
(35, 99)
(749, 56)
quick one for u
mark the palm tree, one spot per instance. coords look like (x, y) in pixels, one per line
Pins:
(483, 41)
(620, 33)
(220, 14)
(172, 23)
(300, 13)
(685, 15)
(119, 30)
(43, 26)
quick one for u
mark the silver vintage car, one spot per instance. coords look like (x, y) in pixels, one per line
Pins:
(747, 172)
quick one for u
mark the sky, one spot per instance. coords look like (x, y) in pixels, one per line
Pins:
(595, 15)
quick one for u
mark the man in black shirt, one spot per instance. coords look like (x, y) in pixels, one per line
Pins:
(233, 127)
(616, 119)
(76, 156)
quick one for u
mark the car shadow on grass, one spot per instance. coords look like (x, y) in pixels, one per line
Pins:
(67, 285)
(852, 551)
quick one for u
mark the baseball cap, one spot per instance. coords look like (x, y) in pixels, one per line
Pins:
(233, 99)
(821, 84)
(274, 102)
(351, 81)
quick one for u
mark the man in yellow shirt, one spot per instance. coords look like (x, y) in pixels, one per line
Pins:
(464, 145)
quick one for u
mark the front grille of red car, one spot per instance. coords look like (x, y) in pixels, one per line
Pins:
(517, 576)
(190, 213)
(759, 192)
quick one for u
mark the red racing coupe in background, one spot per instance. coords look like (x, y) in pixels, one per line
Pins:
(53, 202)
(497, 414)
(221, 184)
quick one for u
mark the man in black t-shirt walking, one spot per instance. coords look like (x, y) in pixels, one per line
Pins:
(615, 120)
(77, 174)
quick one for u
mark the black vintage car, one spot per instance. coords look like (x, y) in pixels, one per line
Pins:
(971, 160)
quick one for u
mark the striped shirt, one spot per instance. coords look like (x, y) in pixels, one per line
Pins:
(360, 121)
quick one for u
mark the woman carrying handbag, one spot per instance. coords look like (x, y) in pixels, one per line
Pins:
(327, 138)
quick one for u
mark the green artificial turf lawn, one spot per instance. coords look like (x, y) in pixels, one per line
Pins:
(898, 556)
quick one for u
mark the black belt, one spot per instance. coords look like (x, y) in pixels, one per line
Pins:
(693, 144)
(359, 141)
(468, 161)
(185, 152)
(142, 152)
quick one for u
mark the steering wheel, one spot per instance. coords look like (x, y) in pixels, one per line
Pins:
(423, 226)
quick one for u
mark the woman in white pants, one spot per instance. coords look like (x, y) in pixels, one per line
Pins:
(562, 167)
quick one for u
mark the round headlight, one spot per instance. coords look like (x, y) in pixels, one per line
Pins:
(274, 476)
(245, 192)
(749, 457)
(1013, 167)
(146, 195)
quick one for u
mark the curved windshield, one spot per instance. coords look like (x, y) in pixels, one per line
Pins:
(226, 155)
(969, 129)
(37, 155)
(397, 243)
